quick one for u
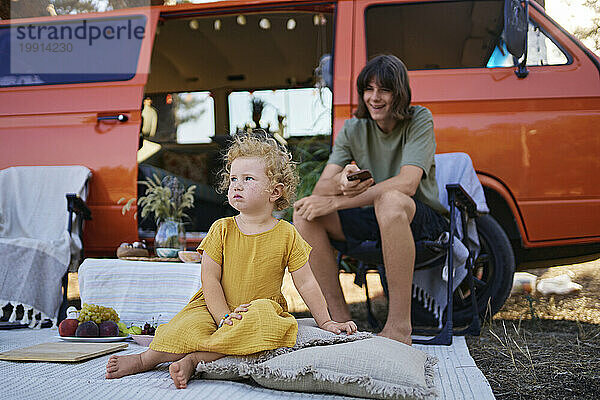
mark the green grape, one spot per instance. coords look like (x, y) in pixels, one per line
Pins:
(97, 313)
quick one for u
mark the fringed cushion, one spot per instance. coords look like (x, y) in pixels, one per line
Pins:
(360, 365)
(376, 368)
(238, 367)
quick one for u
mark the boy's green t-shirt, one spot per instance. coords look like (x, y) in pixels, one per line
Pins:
(411, 142)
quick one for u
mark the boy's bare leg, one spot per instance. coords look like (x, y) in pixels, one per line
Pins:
(119, 366)
(182, 370)
(394, 212)
(322, 260)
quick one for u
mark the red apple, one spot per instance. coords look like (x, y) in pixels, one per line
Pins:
(68, 327)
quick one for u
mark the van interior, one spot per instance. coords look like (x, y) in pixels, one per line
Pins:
(212, 76)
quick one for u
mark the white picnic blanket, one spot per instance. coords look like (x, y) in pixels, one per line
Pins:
(429, 285)
(139, 291)
(456, 375)
(35, 247)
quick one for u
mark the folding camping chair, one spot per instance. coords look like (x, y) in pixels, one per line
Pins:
(40, 237)
(455, 174)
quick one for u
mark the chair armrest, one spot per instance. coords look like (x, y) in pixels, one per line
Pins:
(77, 205)
(462, 199)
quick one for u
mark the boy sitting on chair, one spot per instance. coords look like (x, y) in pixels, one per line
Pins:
(398, 205)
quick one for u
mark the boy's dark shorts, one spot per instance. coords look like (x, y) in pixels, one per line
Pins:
(360, 224)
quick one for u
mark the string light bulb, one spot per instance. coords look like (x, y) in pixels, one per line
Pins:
(264, 23)
(319, 19)
(194, 24)
(291, 24)
(241, 20)
(217, 24)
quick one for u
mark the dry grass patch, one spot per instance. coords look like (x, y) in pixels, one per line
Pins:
(539, 359)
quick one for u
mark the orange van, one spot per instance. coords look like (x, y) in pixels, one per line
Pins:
(72, 89)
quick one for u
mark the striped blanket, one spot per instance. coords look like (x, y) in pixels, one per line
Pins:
(140, 291)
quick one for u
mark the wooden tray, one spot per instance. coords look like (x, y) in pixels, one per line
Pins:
(62, 352)
(132, 252)
(153, 259)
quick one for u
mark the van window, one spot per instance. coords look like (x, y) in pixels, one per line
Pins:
(195, 117)
(70, 51)
(459, 34)
(541, 50)
(182, 118)
(290, 112)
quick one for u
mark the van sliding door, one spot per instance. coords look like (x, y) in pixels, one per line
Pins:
(71, 91)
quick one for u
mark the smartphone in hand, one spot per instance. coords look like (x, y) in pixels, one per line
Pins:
(361, 175)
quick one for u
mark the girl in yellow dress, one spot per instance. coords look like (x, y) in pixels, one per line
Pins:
(240, 308)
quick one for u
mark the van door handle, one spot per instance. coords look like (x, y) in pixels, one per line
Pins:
(119, 117)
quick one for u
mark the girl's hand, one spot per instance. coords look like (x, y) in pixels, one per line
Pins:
(337, 327)
(236, 313)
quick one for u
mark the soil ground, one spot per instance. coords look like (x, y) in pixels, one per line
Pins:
(539, 348)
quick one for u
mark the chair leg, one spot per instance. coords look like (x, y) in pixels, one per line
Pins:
(444, 337)
(62, 311)
(373, 322)
(474, 327)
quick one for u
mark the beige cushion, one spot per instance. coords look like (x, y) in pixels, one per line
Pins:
(360, 365)
(377, 368)
(238, 367)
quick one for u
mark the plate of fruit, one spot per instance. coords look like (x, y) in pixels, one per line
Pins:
(93, 323)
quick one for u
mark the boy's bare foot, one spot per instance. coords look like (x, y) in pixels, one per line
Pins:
(120, 366)
(396, 335)
(181, 371)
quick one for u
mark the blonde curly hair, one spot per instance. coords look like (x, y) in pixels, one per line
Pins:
(279, 166)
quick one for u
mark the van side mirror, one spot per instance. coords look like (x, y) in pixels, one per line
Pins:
(516, 23)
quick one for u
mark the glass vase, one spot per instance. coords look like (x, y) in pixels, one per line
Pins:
(170, 233)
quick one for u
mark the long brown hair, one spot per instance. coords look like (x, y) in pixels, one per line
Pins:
(391, 73)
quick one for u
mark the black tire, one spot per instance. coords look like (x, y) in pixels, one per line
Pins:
(493, 273)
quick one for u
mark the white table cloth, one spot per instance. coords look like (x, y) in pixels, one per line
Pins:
(140, 291)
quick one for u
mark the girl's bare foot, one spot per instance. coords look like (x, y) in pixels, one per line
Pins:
(181, 371)
(120, 366)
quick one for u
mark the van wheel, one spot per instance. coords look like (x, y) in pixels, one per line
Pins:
(493, 273)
